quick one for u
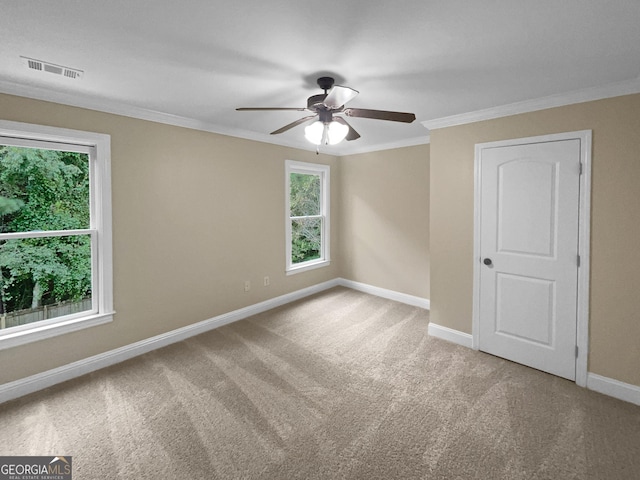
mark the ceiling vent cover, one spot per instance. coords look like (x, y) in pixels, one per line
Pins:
(41, 66)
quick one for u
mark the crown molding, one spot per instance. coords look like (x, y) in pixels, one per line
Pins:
(409, 142)
(126, 110)
(577, 96)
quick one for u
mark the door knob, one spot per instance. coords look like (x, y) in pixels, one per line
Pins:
(487, 262)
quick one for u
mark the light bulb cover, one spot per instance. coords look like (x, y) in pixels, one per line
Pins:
(313, 132)
(337, 132)
(329, 133)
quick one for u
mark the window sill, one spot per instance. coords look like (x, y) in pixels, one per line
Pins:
(10, 339)
(308, 266)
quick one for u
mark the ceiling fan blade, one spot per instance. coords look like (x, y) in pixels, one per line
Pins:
(250, 109)
(293, 124)
(339, 95)
(380, 115)
(352, 134)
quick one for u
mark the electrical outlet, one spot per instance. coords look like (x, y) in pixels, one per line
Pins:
(247, 285)
(267, 281)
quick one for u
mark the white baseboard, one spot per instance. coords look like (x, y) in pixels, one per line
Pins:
(24, 386)
(608, 386)
(454, 336)
(388, 294)
(614, 388)
(9, 391)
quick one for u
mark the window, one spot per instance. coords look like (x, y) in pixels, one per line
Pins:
(55, 232)
(307, 211)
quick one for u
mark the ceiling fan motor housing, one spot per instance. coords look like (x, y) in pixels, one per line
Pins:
(315, 102)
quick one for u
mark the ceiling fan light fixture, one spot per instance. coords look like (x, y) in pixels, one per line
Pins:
(326, 130)
(326, 133)
(337, 132)
(314, 132)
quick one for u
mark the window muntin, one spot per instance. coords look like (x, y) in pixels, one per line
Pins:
(307, 208)
(55, 232)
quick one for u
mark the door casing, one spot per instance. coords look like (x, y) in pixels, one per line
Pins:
(584, 229)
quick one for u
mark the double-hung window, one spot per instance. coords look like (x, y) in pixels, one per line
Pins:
(307, 215)
(55, 232)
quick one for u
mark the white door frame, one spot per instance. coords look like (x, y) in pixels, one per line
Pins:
(584, 230)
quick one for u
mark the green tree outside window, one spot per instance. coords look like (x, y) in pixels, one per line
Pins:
(43, 190)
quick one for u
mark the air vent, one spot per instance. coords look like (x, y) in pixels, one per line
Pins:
(41, 66)
(36, 65)
(72, 73)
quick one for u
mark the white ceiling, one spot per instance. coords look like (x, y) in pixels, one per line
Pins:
(192, 62)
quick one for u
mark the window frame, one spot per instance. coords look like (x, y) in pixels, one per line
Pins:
(324, 172)
(98, 147)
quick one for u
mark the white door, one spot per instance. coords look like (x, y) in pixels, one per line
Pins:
(529, 218)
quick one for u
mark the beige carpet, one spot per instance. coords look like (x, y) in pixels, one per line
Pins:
(342, 385)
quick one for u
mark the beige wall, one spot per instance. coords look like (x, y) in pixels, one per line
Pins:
(384, 219)
(195, 214)
(615, 229)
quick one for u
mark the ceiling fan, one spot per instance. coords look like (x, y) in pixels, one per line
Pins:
(330, 129)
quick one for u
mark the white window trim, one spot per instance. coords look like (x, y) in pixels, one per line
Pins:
(101, 246)
(324, 171)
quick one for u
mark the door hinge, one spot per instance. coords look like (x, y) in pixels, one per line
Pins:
(580, 169)
(578, 259)
(576, 351)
